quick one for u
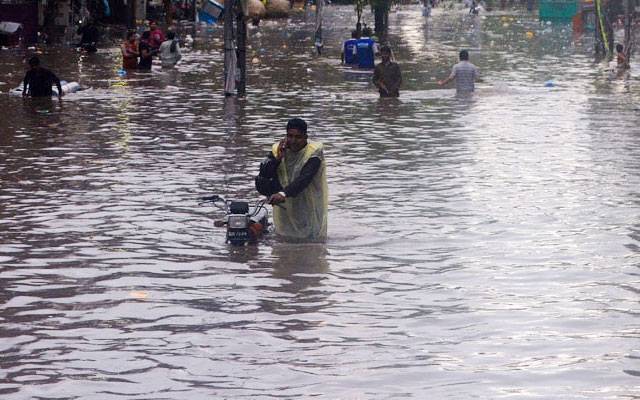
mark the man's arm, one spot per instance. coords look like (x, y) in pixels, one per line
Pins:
(449, 79)
(57, 82)
(377, 78)
(25, 82)
(307, 173)
(396, 79)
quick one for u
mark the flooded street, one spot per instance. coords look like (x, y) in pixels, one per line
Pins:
(479, 248)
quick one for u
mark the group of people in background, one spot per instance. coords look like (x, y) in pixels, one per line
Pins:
(138, 53)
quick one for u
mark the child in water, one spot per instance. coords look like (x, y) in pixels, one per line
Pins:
(621, 57)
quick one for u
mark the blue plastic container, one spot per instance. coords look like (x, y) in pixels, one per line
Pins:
(350, 50)
(366, 57)
(211, 12)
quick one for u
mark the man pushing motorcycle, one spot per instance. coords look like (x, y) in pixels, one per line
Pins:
(294, 176)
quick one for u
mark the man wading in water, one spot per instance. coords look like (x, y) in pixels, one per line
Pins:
(38, 81)
(387, 76)
(465, 74)
(294, 178)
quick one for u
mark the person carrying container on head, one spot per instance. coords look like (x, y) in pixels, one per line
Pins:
(294, 178)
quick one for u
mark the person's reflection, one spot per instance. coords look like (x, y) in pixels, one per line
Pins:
(388, 109)
(243, 254)
(234, 113)
(302, 265)
(171, 78)
(300, 269)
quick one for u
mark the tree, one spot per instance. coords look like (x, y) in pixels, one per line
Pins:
(359, 9)
(381, 16)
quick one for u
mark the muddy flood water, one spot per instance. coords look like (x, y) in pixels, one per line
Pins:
(479, 248)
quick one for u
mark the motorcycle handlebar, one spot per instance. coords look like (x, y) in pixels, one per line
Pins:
(213, 198)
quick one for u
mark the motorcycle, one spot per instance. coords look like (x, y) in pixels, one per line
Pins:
(244, 223)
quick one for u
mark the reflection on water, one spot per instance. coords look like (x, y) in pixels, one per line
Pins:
(479, 247)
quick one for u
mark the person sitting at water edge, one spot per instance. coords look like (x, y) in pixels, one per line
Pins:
(170, 51)
(387, 76)
(38, 81)
(464, 73)
(293, 177)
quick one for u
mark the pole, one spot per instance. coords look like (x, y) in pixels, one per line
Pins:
(242, 52)
(628, 38)
(602, 42)
(318, 38)
(230, 59)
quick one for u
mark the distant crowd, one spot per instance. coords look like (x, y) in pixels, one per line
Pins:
(138, 52)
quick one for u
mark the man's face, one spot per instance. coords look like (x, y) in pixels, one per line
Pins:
(385, 56)
(153, 26)
(296, 140)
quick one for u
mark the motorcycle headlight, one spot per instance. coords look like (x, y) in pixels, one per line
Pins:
(237, 221)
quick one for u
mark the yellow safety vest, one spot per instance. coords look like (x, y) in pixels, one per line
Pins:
(304, 217)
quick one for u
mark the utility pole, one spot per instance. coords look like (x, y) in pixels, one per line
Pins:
(318, 38)
(230, 59)
(235, 58)
(628, 33)
(241, 23)
(603, 31)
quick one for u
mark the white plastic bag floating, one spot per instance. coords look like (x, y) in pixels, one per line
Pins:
(67, 87)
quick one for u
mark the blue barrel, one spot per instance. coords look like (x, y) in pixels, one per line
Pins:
(211, 12)
(350, 49)
(365, 52)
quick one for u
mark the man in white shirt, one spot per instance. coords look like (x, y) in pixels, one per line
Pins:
(464, 73)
